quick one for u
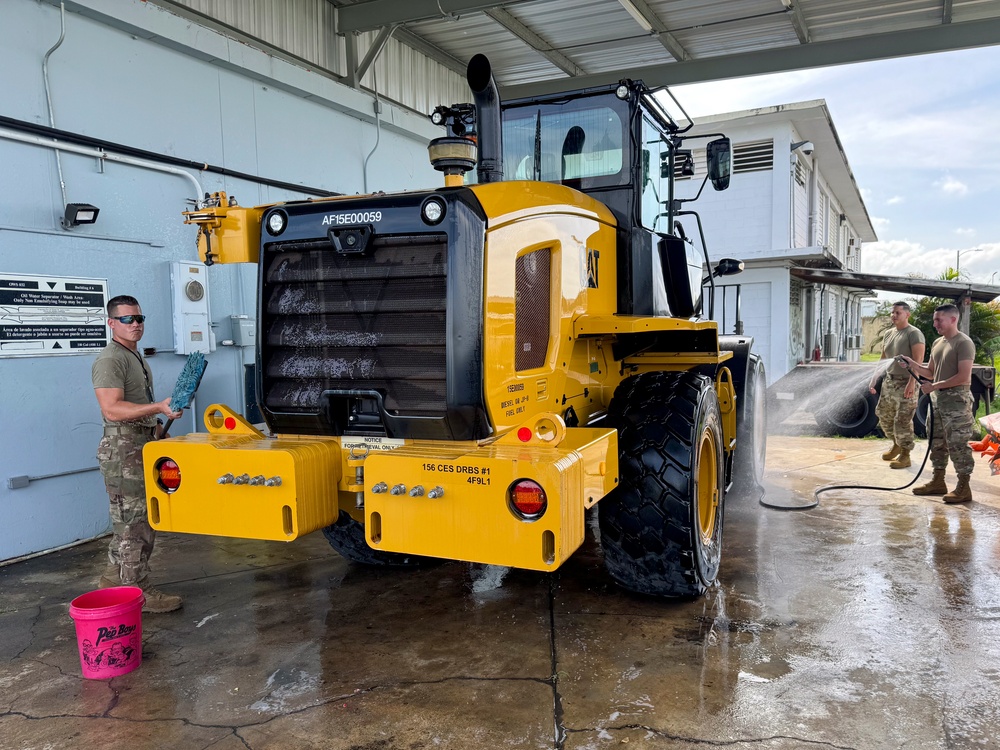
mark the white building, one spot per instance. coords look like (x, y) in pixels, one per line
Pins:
(792, 204)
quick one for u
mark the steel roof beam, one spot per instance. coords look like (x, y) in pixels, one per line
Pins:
(646, 17)
(798, 22)
(939, 38)
(946, 11)
(533, 40)
(375, 14)
(432, 51)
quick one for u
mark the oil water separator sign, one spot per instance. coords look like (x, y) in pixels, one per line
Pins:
(47, 315)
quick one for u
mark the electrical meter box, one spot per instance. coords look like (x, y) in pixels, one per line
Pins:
(189, 284)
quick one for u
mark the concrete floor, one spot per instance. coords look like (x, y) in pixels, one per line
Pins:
(870, 622)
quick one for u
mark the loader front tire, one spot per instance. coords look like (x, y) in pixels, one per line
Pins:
(347, 537)
(661, 528)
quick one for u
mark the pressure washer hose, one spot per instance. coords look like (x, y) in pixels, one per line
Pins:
(829, 487)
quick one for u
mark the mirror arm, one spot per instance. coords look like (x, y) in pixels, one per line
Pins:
(675, 203)
(708, 263)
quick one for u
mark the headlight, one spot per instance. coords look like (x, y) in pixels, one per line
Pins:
(276, 223)
(433, 210)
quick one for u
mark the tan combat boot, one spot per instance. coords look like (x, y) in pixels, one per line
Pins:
(962, 493)
(158, 602)
(891, 453)
(110, 577)
(934, 487)
(902, 461)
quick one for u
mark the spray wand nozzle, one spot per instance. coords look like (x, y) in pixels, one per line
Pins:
(906, 365)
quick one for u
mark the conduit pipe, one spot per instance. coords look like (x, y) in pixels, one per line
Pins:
(378, 132)
(66, 136)
(99, 153)
(48, 94)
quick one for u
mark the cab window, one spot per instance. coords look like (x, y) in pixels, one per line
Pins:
(654, 151)
(576, 143)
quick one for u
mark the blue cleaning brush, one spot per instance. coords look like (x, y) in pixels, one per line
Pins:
(187, 383)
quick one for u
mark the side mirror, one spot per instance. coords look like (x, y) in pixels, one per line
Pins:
(720, 160)
(728, 267)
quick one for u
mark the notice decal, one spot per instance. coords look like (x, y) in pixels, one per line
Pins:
(47, 315)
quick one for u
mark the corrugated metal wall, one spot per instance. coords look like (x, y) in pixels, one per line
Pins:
(306, 29)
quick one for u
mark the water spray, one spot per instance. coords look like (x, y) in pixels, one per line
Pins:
(827, 488)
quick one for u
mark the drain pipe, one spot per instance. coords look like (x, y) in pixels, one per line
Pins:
(99, 153)
(48, 95)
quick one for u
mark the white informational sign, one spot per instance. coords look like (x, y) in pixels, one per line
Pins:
(369, 444)
(46, 315)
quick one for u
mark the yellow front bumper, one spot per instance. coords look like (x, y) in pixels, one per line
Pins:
(447, 500)
(471, 518)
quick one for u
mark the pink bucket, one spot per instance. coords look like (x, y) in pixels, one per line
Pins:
(108, 631)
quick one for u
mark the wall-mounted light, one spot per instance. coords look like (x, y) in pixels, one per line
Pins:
(80, 213)
(843, 218)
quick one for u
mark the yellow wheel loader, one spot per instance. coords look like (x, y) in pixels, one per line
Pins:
(464, 372)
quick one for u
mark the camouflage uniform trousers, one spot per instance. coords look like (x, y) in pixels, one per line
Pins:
(895, 411)
(120, 458)
(952, 430)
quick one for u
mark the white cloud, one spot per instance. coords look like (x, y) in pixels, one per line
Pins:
(899, 258)
(878, 223)
(906, 258)
(950, 186)
(965, 231)
(895, 200)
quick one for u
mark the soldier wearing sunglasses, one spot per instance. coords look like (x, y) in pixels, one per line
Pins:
(123, 384)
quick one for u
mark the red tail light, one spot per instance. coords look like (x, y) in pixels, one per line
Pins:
(527, 499)
(168, 474)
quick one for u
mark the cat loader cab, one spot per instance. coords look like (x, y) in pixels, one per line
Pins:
(466, 372)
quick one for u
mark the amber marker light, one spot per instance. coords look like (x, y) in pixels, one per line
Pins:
(168, 474)
(527, 499)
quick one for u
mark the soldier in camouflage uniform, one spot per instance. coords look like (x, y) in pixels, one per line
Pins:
(898, 399)
(950, 369)
(123, 384)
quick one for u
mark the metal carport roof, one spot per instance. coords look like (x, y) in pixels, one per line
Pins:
(536, 46)
(903, 284)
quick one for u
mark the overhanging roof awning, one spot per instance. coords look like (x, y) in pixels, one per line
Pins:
(904, 284)
(547, 46)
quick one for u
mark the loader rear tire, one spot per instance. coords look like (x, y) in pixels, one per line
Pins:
(661, 528)
(347, 537)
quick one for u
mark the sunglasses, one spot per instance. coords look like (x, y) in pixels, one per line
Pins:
(130, 319)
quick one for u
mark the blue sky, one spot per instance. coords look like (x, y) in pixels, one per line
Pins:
(922, 135)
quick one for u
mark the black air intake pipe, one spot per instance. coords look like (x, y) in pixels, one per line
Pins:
(484, 90)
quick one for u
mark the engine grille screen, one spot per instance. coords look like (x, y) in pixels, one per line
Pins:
(531, 311)
(353, 322)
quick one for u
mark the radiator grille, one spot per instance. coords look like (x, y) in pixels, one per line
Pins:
(531, 311)
(343, 322)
